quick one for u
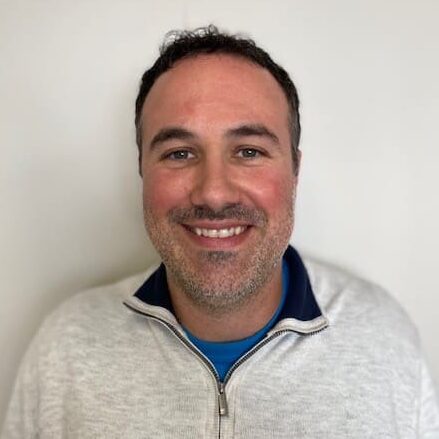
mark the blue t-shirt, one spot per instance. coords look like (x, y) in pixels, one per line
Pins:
(224, 354)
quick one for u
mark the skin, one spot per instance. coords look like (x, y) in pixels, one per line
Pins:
(217, 154)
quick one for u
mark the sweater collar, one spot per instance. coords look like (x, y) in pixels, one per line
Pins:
(300, 313)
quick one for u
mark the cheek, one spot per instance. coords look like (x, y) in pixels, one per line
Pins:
(272, 189)
(162, 191)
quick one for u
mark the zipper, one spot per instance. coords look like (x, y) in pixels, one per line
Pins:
(221, 394)
(221, 391)
(252, 351)
(222, 400)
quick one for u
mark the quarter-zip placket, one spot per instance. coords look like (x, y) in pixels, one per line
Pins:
(221, 385)
(222, 401)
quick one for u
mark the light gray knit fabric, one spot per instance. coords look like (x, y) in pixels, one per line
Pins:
(98, 370)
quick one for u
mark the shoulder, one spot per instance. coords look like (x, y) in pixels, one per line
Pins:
(360, 305)
(96, 313)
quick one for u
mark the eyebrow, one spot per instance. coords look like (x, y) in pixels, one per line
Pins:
(171, 133)
(245, 130)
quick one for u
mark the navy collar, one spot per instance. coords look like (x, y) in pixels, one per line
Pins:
(300, 303)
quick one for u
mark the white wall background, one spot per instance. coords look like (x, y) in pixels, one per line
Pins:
(70, 215)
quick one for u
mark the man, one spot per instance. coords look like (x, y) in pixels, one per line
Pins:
(233, 335)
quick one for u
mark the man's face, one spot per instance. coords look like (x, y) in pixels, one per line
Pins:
(218, 179)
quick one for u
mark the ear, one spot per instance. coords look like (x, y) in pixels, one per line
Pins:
(298, 162)
(140, 165)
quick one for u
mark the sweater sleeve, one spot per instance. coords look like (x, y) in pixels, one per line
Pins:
(428, 423)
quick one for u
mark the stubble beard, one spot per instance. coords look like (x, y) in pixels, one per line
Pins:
(219, 282)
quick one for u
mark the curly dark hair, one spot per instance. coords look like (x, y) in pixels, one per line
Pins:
(185, 44)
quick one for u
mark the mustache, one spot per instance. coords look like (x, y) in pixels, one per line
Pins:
(239, 212)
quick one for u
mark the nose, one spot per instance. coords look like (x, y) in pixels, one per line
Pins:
(215, 185)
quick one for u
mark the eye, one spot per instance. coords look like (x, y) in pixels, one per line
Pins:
(180, 154)
(249, 153)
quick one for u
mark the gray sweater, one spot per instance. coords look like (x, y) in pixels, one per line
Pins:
(96, 369)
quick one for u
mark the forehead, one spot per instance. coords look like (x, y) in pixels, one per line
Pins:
(215, 90)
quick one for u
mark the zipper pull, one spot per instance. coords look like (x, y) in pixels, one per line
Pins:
(222, 400)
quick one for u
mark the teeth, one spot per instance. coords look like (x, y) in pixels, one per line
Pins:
(212, 233)
(219, 233)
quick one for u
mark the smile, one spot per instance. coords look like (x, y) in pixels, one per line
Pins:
(218, 233)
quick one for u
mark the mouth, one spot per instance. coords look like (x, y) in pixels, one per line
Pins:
(218, 233)
(218, 236)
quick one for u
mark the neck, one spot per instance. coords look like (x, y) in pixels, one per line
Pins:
(241, 322)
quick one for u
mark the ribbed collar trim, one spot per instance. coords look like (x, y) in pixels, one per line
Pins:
(300, 313)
